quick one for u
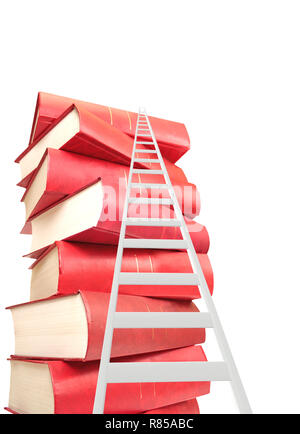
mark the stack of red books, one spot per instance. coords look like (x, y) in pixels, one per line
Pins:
(75, 173)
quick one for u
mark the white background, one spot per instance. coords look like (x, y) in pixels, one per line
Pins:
(230, 71)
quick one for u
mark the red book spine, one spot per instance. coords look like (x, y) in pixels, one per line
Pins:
(74, 385)
(172, 136)
(91, 268)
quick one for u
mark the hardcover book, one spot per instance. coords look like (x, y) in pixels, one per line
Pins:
(85, 217)
(66, 266)
(171, 136)
(72, 327)
(57, 387)
(79, 131)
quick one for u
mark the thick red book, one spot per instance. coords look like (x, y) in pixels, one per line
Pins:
(186, 407)
(66, 266)
(79, 131)
(172, 136)
(62, 173)
(69, 388)
(72, 327)
(86, 217)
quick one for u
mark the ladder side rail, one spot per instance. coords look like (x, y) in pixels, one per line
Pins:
(100, 395)
(237, 386)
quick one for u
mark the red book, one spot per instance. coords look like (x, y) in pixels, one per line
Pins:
(69, 388)
(79, 131)
(186, 407)
(72, 327)
(172, 136)
(87, 217)
(62, 173)
(66, 266)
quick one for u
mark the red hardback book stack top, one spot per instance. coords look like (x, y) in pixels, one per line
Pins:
(95, 138)
(171, 136)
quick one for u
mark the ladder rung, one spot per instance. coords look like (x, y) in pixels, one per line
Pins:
(161, 372)
(146, 143)
(150, 201)
(152, 222)
(148, 243)
(145, 151)
(145, 185)
(145, 320)
(146, 160)
(159, 279)
(148, 171)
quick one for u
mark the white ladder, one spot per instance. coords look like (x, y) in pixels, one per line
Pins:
(165, 371)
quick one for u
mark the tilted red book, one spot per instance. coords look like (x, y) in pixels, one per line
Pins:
(66, 266)
(73, 386)
(62, 173)
(79, 131)
(172, 136)
(86, 216)
(72, 327)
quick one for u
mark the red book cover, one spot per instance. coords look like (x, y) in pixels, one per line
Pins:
(125, 341)
(86, 216)
(172, 136)
(74, 385)
(90, 267)
(63, 173)
(186, 407)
